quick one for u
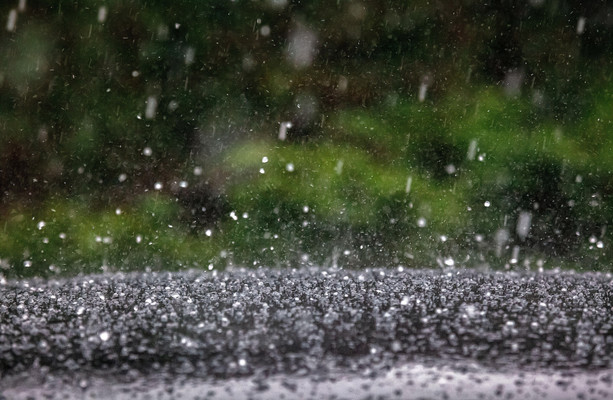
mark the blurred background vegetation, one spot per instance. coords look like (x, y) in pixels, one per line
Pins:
(201, 134)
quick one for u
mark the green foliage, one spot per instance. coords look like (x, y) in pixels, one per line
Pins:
(421, 132)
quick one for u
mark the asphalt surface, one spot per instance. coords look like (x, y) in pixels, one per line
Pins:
(309, 333)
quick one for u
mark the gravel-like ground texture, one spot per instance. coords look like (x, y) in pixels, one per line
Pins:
(311, 323)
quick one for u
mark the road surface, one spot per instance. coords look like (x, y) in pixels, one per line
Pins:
(309, 333)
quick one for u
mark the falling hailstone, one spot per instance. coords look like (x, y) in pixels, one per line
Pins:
(104, 336)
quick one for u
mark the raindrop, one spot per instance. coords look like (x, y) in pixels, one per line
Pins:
(472, 150)
(423, 90)
(513, 81)
(102, 13)
(515, 255)
(501, 237)
(523, 224)
(11, 23)
(301, 47)
(152, 104)
(190, 55)
(581, 25)
(407, 188)
(339, 167)
(283, 129)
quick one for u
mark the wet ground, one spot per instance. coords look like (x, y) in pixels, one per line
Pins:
(309, 333)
